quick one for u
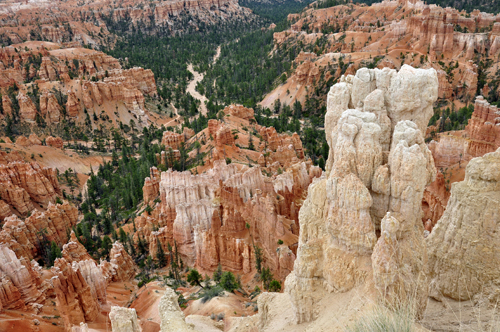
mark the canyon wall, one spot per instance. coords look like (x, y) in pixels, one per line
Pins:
(377, 170)
(344, 38)
(74, 83)
(75, 23)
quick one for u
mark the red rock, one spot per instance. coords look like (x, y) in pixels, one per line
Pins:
(151, 186)
(34, 140)
(27, 109)
(20, 275)
(240, 112)
(124, 266)
(55, 142)
(49, 107)
(74, 298)
(72, 105)
(172, 140)
(207, 234)
(74, 251)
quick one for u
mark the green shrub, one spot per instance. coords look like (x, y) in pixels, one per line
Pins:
(210, 293)
(274, 286)
(228, 281)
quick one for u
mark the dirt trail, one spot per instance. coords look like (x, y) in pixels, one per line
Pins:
(191, 88)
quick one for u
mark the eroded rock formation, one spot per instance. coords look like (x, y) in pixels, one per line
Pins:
(23, 184)
(377, 170)
(464, 245)
(75, 299)
(25, 237)
(18, 285)
(124, 320)
(172, 318)
(121, 266)
(212, 217)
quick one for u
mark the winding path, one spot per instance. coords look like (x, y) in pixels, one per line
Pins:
(191, 88)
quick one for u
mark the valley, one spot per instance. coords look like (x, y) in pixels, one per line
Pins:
(272, 165)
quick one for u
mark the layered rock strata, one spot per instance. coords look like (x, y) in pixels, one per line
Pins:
(377, 170)
(25, 237)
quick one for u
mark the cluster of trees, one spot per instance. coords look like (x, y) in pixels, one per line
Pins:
(487, 6)
(449, 119)
(275, 11)
(246, 69)
(168, 56)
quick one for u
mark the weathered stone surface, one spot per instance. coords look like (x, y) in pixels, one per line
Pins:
(74, 297)
(123, 267)
(172, 140)
(49, 107)
(124, 320)
(206, 216)
(240, 112)
(20, 277)
(24, 237)
(55, 142)
(172, 318)
(22, 184)
(463, 247)
(74, 251)
(377, 170)
(151, 186)
(27, 109)
(94, 277)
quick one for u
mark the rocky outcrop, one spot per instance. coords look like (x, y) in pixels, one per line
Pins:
(50, 108)
(55, 142)
(172, 318)
(151, 186)
(25, 237)
(172, 140)
(213, 217)
(122, 266)
(18, 286)
(377, 170)
(124, 320)
(74, 298)
(72, 105)
(94, 277)
(27, 109)
(240, 111)
(74, 251)
(464, 245)
(23, 184)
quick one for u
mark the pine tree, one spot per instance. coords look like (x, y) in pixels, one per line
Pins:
(217, 274)
(160, 255)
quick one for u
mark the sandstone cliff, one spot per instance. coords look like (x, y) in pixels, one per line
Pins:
(72, 81)
(377, 170)
(75, 299)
